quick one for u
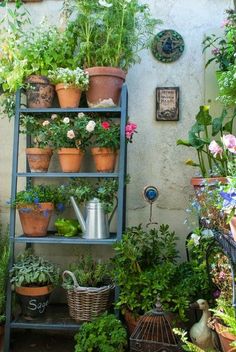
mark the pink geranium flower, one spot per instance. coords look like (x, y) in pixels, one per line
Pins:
(130, 129)
(215, 149)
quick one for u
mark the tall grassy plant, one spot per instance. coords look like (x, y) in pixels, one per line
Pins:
(4, 258)
(109, 32)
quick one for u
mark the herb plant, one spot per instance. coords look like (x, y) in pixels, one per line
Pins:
(31, 270)
(89, 273)
(109, 33)
(37, 128)
(104, 334)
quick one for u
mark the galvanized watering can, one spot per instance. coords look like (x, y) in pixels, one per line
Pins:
(96, 224)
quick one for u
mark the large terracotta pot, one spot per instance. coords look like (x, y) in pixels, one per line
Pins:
(40, 92)
(68, 96)
(38, 159)
(34, 300)
(105, 85)
(35, 220)
(104, 159)
(226, 338)
(131, 321)
(70, 159)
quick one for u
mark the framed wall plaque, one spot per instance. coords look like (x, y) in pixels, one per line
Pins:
(167, 103)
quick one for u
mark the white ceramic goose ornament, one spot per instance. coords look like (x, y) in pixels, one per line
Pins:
(200, 334)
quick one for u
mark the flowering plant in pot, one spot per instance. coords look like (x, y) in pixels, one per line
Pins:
(69, 85)
(39, 153)
(106, 142)
(118, 30)
(33, 279)
(70, 136)
(35, 205)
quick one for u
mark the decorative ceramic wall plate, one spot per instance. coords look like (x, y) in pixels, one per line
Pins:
(167, 46)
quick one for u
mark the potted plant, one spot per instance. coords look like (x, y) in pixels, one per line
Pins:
(107, 50)
(35, 205)
(70, 136)
(106, 143)
(33, 279)
(89, 288)
(40, 154)
(104, 334)
(28, 53)
(69, 84)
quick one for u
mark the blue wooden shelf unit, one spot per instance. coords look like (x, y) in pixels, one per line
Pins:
(57, 316)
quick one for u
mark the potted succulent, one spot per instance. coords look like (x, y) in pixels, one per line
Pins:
(35, 205)
(89, 288)
(110, 34)
(104, 334)
(70, 136)
(40, 154)
(69, 84)
(106, 143)
(33, 279)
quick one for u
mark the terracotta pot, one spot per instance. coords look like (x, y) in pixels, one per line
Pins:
(105, 85)
(226, 338)
(68, 96)
(34, 300)
(38, 159)
(34, 221)
(104, 159)
(70, 159)
(198, 182)
(131, 321)
(40, 92)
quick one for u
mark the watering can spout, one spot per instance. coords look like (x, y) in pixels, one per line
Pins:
(78, 214)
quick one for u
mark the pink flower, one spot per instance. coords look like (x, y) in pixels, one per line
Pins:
(229, 142)
(70, 134)
(106, 125)
(46, 122)
(225, 22)
(130, 128)
(215, 149)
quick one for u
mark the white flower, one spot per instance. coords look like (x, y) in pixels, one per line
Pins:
(54, 116)
(104, 3)
(66, 120)
(46, 122)
(195, 238)
(90, 126)
(80, 115)
(70, 134)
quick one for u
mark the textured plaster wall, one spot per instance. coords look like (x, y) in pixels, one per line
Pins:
(153, 158)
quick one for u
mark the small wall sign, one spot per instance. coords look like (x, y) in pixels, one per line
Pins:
(167, 103)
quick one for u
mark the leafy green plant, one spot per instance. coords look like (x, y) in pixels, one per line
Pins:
(201, 135)
(36, 194)
(37, 128)
(83, 191)
(109, 33)
(89, 273)
(77, 77)
(31, 270)
(227, 86)
(106, 134)
(104, 334)
(4, 261)
(187, 345)
(67, 227)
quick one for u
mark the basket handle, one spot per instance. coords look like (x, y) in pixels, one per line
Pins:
(72, 275)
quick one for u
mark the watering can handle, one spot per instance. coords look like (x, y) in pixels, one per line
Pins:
(113, 211)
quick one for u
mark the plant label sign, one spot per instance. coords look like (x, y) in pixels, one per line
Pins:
(167, 104)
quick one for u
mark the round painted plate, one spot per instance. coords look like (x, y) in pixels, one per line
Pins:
(167, 46)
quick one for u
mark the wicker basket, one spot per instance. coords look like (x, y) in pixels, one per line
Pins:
(86, 303)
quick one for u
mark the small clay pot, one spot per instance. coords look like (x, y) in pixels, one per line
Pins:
(68, 96)
(39, 92)
(70, 159)
(104, 159)
(38, 159)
